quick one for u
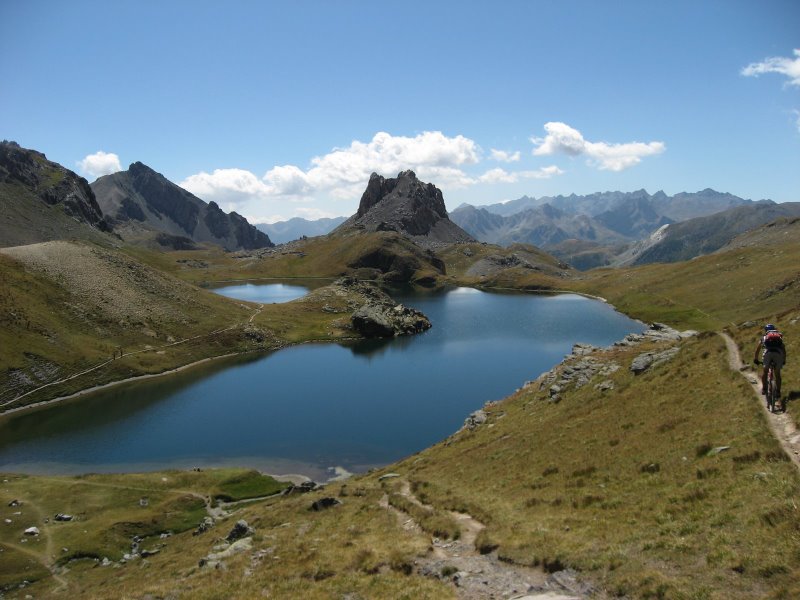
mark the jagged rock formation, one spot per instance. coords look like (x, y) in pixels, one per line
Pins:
(408, 206)
(41, 201)
(140, 201)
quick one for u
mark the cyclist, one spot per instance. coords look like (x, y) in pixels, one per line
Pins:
(774, 355)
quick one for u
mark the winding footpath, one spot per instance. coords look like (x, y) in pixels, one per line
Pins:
(138, 377)
(781, 424)
(477, 576)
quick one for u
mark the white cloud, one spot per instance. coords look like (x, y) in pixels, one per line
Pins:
(777, 64)
(503, 156)
(561, 138)
(100, 163)
(502, 176)
(343, 173)
(226, 186)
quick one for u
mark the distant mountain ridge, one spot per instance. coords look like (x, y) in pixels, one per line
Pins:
(408, 206)
(704, 235)
(41, 201)
(141, 202)
(680, 207)
(297, 227)
(592, 230)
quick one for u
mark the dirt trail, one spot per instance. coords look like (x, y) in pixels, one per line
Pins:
(479, 576)
(131, 353)
(46, 557)
(782, 425)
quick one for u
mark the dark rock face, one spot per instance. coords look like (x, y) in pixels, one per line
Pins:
(396, 268)
(164, 197)
(408, 206)
(175, 242)
(324, 503)
(142, 200)
(51, 183)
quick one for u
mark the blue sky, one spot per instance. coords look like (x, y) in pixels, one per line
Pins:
(281, 109)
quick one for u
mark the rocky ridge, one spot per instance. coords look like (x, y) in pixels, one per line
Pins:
(42, 201)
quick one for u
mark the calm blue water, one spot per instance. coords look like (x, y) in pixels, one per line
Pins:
(266, 293)
(310, 408)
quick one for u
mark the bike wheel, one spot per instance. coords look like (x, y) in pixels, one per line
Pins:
(772, 395)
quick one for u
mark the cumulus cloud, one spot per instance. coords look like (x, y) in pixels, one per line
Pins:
(790, 67)
(343, 172)
(503, 156)
(563, 139)
(502, 176)
(100, 163)
(229, 187)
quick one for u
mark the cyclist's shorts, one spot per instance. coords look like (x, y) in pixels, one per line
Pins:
(773, 358)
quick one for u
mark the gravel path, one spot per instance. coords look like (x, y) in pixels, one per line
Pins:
(477, 576)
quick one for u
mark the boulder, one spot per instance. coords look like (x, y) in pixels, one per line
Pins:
(475, 419)
(32, 531)
(239, 531)
(650, 359)
(324, 503)
(303, 488)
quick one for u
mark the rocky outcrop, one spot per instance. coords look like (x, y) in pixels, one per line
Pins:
(29, 184)
(408, 206)
(587, 364)
(141, 201)
(379, 315)
(652, 359)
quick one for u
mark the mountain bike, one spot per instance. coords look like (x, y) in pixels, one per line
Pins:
(772, 391)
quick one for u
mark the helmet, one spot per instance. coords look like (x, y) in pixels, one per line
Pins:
(770, 327)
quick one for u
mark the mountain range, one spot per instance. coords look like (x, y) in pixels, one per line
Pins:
(296, 228)
(618, 228)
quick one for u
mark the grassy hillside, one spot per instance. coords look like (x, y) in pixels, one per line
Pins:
(626, 485)
(710, 292)
(384, 255)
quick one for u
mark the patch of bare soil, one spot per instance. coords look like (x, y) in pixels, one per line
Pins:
(478, 576)
(781, 424)
(110, 283)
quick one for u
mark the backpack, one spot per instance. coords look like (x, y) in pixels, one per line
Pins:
(773, 340)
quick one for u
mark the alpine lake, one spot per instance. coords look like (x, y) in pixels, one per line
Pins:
(320, 410)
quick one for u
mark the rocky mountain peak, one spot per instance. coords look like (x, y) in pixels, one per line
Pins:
(142, 200)
(406, 205)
